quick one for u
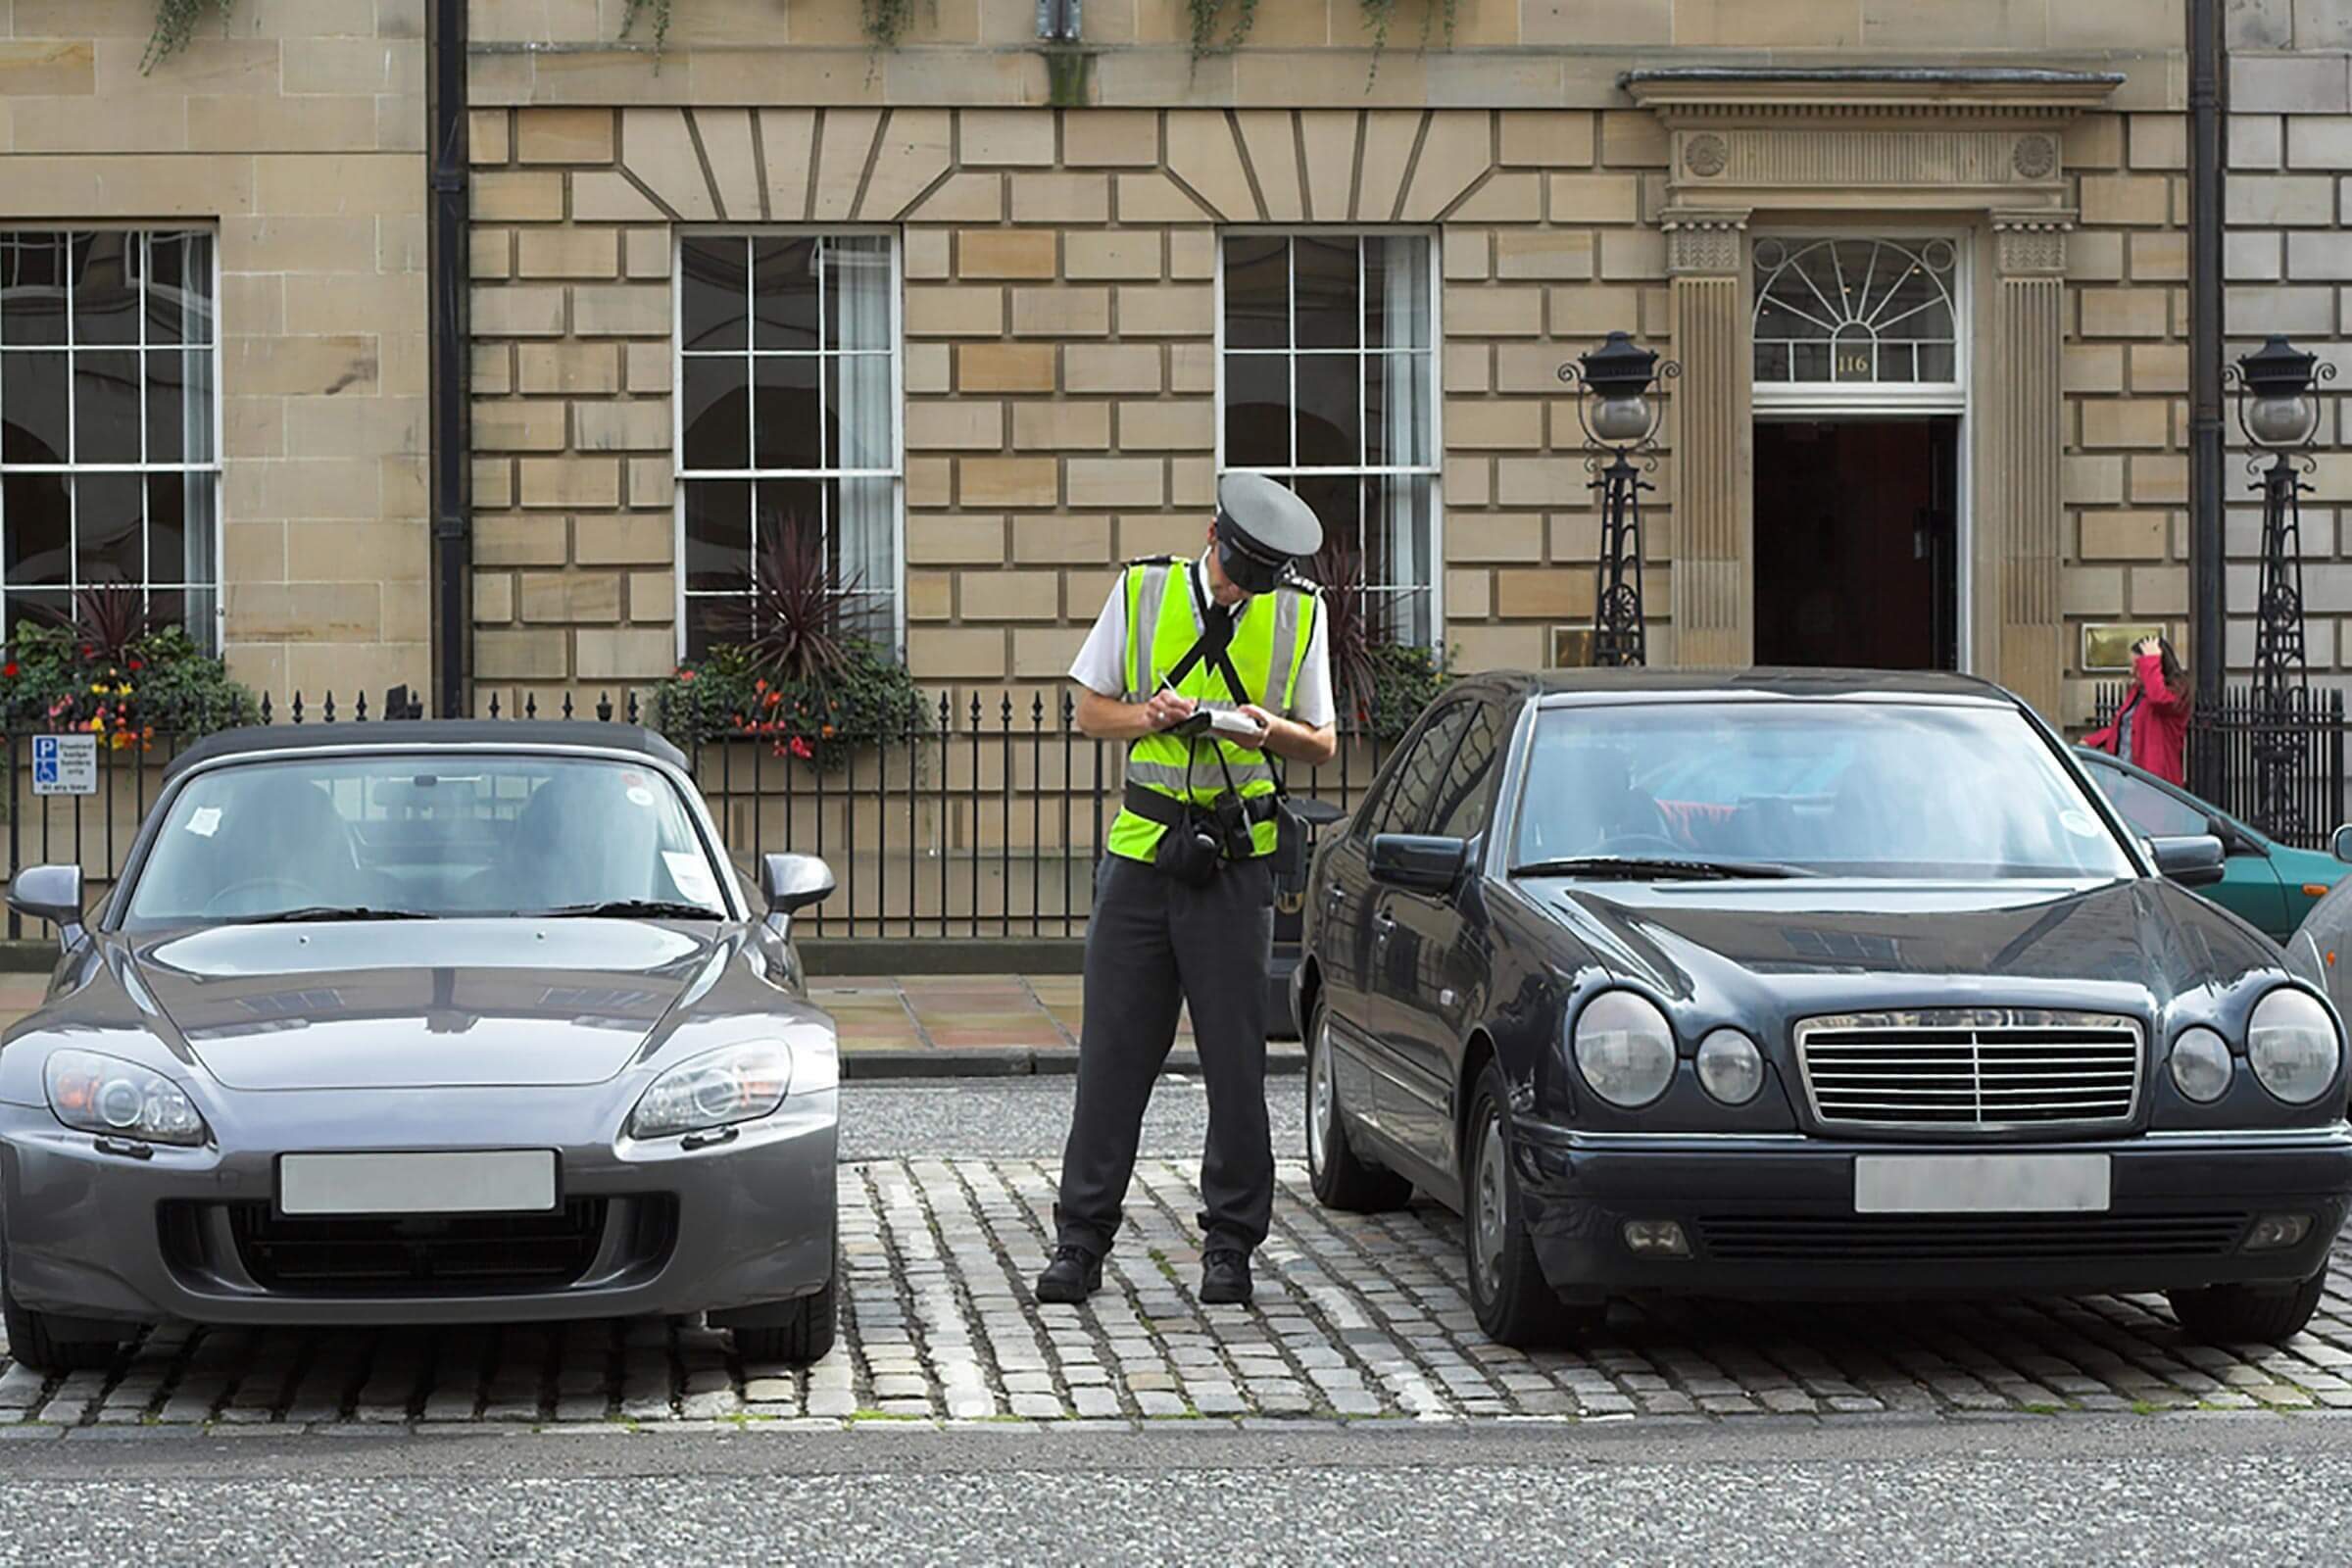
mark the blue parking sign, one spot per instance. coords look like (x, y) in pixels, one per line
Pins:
(65, 765)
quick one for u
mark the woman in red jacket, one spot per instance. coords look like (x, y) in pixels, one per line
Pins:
(2151, 728)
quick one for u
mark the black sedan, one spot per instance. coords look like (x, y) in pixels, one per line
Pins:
(1807, 984)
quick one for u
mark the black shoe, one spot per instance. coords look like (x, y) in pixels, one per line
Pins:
(1074, 1275)
(1225, 1277)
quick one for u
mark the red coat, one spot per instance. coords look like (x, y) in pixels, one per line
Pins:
(2159, 727)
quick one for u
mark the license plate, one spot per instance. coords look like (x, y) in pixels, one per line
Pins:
(1980, 1184)
(502, 1181)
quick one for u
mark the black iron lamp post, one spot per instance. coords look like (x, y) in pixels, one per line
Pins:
(1620, 419)
(2279, 414)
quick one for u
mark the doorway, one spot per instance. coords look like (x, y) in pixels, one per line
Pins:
(1857, 543)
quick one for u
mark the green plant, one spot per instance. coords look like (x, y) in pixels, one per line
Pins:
(729, 695)
(885, 20)
(1204, 15)
(108, 620)
(1379, 684)
(1406, 679)
(791, 623)
(1378, 14)
(660, 11)
(54, 681)
(174, 25)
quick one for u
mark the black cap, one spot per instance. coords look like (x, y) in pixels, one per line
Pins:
(1262, 526)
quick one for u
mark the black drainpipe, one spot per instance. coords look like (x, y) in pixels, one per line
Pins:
(2207, 60)
(452, 437)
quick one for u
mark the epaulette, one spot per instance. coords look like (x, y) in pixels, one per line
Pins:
(1153, 561)
(1302, 585)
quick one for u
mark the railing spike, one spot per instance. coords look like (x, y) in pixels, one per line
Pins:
(298, 707)
(494, 705)
(568, 705)
(604, 706)
(266, 712)
(359, 709)
(326, 715)
(530, 704)
(633, 718)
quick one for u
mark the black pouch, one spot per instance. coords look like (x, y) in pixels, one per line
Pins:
(1187, 851)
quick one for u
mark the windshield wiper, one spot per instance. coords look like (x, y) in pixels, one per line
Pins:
(1649, 869)
(311, 913)
(627, 909)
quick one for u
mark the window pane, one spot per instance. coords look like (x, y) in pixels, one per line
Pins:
(704, 613)
(867, 552)
(1418, 771)
(784, 293)
(35, 609)
(1398, 392)
(35, 516)
(713, 293)
(1397, 289)
(718, 431)
(1338, 502)
(1257, 291)
(858, 292)
(784, 406)
(179, 406)
(1257, 410)
(1398, 552)
(718, 533)
(788, 505)
(106, 407)
(33, 290)
(34, 421)
(1329, 300)
(179, 288)
(1330, 423)
(1467, 796)
(105, 294)
(107, 545)
(2151, 811)
(857, 408)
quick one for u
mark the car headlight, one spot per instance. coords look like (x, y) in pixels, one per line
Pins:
(2291, 1044)
(1730, 1067)
(117, 1099)
(2201, 1064)
(741, 1083)
(1625, 1048)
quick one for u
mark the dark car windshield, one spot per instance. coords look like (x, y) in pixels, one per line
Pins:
(420, 833)
(1886, 789)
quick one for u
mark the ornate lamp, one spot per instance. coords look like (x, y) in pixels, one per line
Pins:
(2278, 410)
(1620, 419)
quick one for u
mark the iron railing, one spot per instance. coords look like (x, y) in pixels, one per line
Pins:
(2229, 734)
(985, 817)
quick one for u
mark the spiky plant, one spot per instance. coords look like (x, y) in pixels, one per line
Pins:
(793, 621)
(111, 620)
(1356, 624)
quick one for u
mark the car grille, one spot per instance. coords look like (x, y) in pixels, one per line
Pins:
(1961, 1239)
(1970, 1067)
(423, 1254)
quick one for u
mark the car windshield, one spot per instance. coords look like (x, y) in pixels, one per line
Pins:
(1888, 789)
(456, 833)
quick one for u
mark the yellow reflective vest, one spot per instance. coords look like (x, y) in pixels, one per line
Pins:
(1269, 646)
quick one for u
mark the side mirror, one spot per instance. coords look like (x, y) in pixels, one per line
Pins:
(1317, 813)
(51, 893)
(2194, 862)
(2342, 843)
(1417, 862)
(792, 883)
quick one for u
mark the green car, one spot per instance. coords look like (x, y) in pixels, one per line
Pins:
(2267, 884)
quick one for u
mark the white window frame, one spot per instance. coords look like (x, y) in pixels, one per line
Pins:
(1833, 400)
(1435, 469)
(680, 474)
(212, 636)
(1863, 396)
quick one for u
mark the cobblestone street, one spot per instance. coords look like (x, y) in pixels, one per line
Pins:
(1360, 1319)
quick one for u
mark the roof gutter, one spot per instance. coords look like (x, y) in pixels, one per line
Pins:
(451, 434)
(2207, 60)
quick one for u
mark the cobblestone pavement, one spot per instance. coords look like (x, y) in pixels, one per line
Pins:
(1356, 1318)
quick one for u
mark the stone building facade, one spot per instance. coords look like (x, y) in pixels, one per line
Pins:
(2288, 261)
(212, 327)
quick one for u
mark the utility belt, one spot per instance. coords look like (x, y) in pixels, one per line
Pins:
(1203, 834)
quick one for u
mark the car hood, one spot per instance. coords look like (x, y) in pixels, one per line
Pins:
(411, 1005)
(2132, 947)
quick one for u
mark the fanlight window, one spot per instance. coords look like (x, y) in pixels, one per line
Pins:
(1856, 313)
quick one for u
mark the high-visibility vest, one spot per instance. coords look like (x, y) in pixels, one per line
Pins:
(1269, 646)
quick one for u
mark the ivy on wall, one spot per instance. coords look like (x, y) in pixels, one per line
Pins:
(174, 25)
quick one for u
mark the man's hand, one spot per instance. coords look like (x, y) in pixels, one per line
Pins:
(1166, 708)
(1266, 724)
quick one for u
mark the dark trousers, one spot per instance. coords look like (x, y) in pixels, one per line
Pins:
(1154, 944)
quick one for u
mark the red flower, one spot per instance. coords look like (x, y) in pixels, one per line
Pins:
(87, 652)
(135, 664)
(773, 698)
(685, 674)
(801, 749)
(9, 669)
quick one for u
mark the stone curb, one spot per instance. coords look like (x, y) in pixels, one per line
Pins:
(1016, 1061)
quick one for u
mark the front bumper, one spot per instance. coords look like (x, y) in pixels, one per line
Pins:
(1774, 1217)
(102, 1237)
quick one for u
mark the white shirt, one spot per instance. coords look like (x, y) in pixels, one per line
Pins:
(1102, 663)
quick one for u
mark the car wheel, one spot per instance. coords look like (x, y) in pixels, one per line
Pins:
(33, 1343)
(1342, 1179)
(1513, 1301)
(2232, 1314)
(806, 1335)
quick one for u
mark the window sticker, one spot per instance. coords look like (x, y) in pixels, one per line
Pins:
(2080, 824)
(205, 821)
(692, 877)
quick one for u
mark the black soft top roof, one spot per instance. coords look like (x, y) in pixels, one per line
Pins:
(262, 740)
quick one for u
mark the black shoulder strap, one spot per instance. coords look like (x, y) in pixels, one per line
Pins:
(1209, 646)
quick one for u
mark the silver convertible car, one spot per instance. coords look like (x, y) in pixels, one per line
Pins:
(422, 1023)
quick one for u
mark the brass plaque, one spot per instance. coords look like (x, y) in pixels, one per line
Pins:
(1570, 647)
(2108, 647)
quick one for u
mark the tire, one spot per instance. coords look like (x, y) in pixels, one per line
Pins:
(33, 1343)
(1342, 1179)
(1513, 1301)
(805, 1338)
(2234, 1314)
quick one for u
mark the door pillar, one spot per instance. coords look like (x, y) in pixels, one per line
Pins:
(2029, 422)
(1714, 443)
